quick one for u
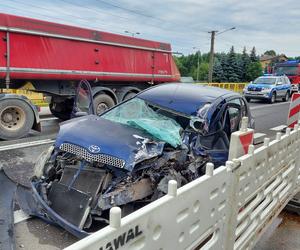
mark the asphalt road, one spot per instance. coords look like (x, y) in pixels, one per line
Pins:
(269, 115)
(36, 234)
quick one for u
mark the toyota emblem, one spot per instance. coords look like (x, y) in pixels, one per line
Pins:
(94, 149)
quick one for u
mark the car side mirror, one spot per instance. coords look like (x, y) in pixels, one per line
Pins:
(197, 124)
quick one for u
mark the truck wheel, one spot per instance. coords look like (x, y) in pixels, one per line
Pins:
(286, 97)
(128, 96)
(102, 102)
(16, 119)
(273, 98)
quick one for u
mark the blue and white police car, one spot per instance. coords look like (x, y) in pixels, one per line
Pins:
(270, 88)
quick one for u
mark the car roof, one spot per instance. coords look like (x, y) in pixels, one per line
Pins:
(183, 97)
(271, 76)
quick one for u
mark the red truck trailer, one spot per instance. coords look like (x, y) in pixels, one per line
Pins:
(54, 57)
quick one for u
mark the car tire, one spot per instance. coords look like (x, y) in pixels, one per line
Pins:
(102, 102)
(273, 98)
(248, 99)
(286, 97)
(16, 119)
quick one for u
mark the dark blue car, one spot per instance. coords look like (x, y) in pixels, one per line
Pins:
(126, 156)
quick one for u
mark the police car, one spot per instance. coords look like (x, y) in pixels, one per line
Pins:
(270, 88)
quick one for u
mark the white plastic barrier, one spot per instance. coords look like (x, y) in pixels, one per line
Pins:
(228, 208)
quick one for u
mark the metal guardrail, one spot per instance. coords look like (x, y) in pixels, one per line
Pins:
(227, 208)
(236, 87)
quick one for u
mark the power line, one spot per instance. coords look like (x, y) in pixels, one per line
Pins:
(129, 10)
(43, 8)
(53, 18)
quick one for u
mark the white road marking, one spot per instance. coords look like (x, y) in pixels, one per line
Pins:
(268, 106)
(278, 128)
(20, 216)
(26, 144)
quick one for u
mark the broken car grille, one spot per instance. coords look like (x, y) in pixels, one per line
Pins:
(102, 158)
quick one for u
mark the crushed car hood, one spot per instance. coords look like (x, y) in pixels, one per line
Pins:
(97, 135)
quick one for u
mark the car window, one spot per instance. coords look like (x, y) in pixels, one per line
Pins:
(286, 80)
(234, 112)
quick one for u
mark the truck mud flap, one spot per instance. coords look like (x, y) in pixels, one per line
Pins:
(8, 189)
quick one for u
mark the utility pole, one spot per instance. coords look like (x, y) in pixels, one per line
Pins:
(198, 62)
(212, 50)
(211, 54)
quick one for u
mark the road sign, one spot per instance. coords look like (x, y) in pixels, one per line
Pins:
(294, 110)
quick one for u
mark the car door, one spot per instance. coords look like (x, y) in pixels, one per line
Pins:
(228, 121)
(83, 101)
(280, 87)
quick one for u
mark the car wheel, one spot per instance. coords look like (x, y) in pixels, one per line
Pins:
(273, 98)
(286, 97)
(248, 99)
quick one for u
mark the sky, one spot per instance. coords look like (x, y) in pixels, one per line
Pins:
(264, 24)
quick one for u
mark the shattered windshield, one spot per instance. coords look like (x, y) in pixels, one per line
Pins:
(139, 114)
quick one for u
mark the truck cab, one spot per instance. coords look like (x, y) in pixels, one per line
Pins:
(292, 70)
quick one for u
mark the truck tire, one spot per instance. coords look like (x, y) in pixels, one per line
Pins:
(16, 119)
(129, 95)
(102, 102)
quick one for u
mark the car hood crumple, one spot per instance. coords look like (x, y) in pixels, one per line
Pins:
(100, 136)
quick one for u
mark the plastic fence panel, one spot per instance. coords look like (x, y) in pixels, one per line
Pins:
(228, 208)
(195, 216)
(265, 181)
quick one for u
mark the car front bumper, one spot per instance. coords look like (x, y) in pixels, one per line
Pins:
(47, 213)
(262, 96)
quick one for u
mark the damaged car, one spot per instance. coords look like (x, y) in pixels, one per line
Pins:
(126, 156)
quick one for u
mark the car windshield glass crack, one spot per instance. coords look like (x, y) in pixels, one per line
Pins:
(138, 114)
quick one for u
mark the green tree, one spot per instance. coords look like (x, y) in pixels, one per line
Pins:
(245, 61)
(270, 53)
(225, 66)
(218, 73)
(254, 70)
(253, 56)
(232, 70)
(203, 71)
(179, 63)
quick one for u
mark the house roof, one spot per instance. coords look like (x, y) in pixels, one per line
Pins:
(272, 58)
